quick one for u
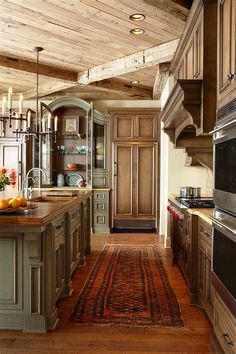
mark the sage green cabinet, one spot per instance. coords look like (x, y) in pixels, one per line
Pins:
(101, 211)
(85, 230)
(74, 233)
(58, 230)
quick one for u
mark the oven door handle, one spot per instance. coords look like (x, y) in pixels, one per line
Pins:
(223, 126)
(221, 224)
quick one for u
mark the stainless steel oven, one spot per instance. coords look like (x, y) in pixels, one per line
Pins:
(224, 257)
(224, 140)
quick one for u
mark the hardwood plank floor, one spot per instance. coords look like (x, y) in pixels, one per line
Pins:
(69, 338)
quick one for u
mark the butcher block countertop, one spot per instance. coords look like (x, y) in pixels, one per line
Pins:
(45, 212)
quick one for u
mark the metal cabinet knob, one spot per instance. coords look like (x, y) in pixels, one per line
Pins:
(230, 76)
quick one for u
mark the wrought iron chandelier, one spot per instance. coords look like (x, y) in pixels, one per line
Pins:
(26, 124)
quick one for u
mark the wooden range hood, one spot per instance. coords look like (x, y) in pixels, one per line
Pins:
(184, 121)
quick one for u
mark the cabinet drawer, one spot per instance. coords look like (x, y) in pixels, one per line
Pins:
(100, 181)
(100, 195)
(99, 206)
(75, 217)
(224, 326)
(59, 226)
(205, 231)
(100, 220)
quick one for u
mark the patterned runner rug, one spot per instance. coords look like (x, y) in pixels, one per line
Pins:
(128, 285)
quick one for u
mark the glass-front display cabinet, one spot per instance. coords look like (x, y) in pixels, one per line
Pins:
(100, 150)
(66, 156)
(77, 155)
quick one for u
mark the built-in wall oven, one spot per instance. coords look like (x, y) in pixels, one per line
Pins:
(224, 140)
(224, 218)
(224, 257)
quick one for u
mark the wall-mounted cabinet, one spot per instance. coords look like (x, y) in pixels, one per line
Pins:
(190, 109)
(127, 126)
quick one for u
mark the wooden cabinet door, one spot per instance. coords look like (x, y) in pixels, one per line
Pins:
(123, 179)
(201, 273)
(145, 179)
(123, 127)
(226, 49)
(145, 127)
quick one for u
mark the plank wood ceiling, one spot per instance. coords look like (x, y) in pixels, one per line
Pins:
(78, 35)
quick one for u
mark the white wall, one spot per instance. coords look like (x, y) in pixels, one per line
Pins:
(174, 174)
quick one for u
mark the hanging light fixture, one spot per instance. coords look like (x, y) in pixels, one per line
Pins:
(23, 124)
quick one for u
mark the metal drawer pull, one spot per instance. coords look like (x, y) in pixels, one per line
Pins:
(217, 222)
(227, 339)
(58, 227)
(223, 126)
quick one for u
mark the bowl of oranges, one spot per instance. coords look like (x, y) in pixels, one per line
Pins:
(15, 204)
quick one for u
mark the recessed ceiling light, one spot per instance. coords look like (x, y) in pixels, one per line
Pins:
(137, 31)
(137, 17)
(134, 82)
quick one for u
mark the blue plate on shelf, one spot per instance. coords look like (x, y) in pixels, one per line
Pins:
(73, 180)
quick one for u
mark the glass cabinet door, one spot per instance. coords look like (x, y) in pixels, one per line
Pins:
(99, 145)
(45, 145)
(89, 142)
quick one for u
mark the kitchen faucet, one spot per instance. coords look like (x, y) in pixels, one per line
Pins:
(27, 179)
(26, 193)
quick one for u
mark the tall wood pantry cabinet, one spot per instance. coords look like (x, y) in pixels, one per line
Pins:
(134, 161)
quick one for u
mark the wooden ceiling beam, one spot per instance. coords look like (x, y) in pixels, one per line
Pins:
(117, 86)
(47, 89)
(145, 58)
(44, 70)
(160, 80)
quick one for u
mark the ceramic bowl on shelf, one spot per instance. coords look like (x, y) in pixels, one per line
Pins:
(73, 166)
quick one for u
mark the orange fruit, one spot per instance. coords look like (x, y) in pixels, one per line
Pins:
(14, 203)
(22, 200)
(3, 204)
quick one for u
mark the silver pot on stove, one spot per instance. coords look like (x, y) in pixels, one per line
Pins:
(190, 192)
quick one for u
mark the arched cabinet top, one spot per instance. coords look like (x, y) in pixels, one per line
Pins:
(77, 102)
(70, 101)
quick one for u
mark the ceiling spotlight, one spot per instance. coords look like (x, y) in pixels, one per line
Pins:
(137, 17)
(137, 31)
(134, 82)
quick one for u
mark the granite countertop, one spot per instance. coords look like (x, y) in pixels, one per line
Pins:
(45, 212)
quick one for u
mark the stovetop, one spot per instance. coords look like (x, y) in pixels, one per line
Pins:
(196, 202)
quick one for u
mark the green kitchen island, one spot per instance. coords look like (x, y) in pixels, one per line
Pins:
(39, 251)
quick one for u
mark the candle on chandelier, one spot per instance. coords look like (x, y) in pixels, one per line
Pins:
(10, 97)
(4, 100)
(43, 125)
(55, 123)
(49, 120)
(28, 119)
(20, 103)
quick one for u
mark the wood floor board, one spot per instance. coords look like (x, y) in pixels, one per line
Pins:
(71, 338)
